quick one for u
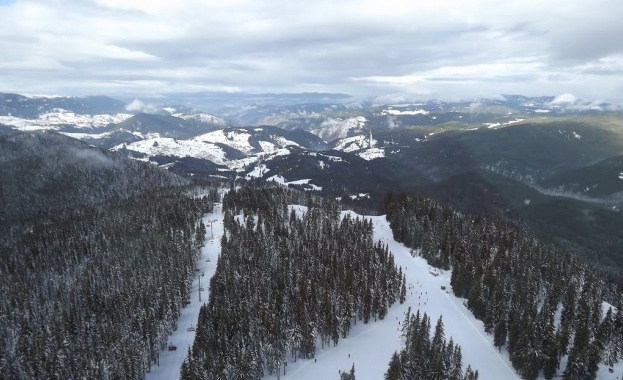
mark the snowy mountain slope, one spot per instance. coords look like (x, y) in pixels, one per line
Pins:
(365, 146)
(60, 119)
(164, 146)
(331, 129)
(351, 144)
(166, 125)
(233, 149)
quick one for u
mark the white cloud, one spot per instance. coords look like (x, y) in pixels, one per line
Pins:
(139, 107)
(564, 99)
(397, 48)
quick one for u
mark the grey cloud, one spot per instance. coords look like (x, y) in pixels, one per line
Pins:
(319, 46)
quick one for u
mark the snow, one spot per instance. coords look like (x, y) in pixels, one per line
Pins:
(496, 125)
(257, 171)
(60, 117)
(282, 180)
(267, 146)
(406, 112)
(284, 142)
(621, 175)
(82, 136)
(243, 163)
(371, 346)
(332, 129)
(238, 139)
(542, 111)
(355, 143)
(331, 158)
(359, 196)
(200, 117)
(171, 361)
(166, 146)
(576, 135)
(372, 153)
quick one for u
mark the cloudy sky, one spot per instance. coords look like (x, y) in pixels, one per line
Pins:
(390, 48)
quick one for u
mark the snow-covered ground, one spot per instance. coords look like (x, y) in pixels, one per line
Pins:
(372, 153)
(167, 146)
(282, 180)
(369, 346)
(171, 361)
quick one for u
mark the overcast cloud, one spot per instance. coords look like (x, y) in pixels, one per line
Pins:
(391, 48)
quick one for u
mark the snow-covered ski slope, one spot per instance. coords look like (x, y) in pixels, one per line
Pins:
(171, 361)
(371, 346)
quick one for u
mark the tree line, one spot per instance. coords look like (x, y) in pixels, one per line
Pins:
(537, 300)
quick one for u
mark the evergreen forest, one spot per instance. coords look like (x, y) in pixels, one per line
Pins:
(92, 281)
(426, 357)
(288, 279)
(537, 300)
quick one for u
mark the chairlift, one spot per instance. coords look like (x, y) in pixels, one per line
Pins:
(201, 289)
(172, 347)
(191, 328)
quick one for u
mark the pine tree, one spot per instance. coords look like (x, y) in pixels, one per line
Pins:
(394, 372)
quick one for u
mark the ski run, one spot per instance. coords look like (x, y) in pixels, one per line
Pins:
(369, 346)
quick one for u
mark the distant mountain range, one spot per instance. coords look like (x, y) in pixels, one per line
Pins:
(552, 165)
